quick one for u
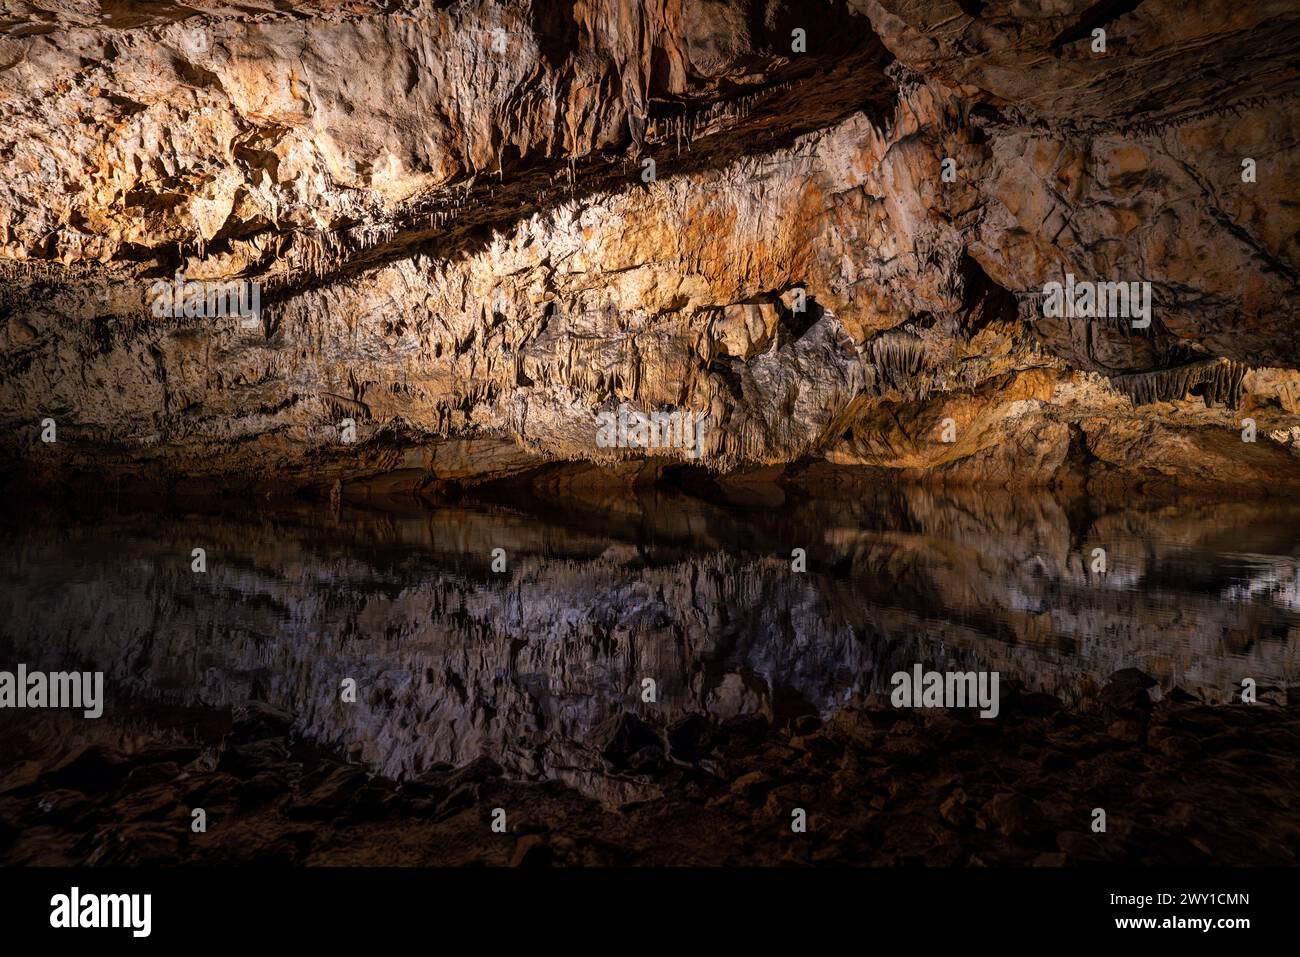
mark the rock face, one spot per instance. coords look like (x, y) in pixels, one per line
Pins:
(476, 227)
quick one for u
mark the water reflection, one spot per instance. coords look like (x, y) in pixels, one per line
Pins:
(452, 660)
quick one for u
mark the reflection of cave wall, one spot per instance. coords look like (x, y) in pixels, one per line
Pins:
(452, 662)
(459, 246)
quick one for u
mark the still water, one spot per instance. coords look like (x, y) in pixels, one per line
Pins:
(453, 660)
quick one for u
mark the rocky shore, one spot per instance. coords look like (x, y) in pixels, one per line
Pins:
(1181, 783)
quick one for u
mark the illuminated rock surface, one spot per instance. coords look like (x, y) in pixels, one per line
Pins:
(456, 243)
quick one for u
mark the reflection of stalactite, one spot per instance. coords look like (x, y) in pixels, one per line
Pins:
(1220, 378)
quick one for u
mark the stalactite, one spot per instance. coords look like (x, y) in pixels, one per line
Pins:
(1220, 382)
(342, 407)
(898, 358)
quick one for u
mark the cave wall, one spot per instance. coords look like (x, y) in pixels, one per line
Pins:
(446, 209)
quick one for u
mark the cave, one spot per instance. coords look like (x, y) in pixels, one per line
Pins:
(321, 322)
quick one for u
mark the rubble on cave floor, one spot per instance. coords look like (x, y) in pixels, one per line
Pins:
(879, 787)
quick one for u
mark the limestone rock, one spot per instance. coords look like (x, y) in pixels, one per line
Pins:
(463, 260)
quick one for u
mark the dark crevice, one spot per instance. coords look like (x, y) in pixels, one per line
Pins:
(793, 326)
(1097, 15)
